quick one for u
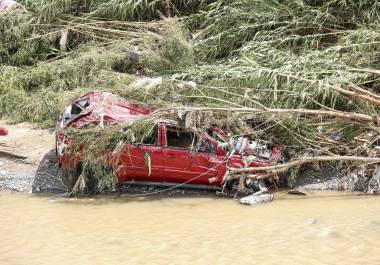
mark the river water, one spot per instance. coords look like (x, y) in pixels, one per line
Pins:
(322, 228)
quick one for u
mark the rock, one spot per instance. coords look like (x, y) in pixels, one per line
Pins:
(256, 199)
(333, 184)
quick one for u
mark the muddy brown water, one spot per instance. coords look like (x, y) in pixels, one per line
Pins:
(322, 228)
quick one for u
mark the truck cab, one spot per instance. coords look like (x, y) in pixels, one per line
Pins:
(174, 155)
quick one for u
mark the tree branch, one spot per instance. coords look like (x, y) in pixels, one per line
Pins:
(300, 161)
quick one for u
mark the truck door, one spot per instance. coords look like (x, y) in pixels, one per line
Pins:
(204, 164)
(143, 161)
(177, 155)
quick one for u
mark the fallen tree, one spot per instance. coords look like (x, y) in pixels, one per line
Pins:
(337, 114)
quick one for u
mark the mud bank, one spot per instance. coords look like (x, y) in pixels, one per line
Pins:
(23, 140)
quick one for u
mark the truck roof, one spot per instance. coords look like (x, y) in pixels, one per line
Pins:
(101, 107)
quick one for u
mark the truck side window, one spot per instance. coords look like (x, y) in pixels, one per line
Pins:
(180, 138)
(151, 138)
(79, 106)
(74, 109)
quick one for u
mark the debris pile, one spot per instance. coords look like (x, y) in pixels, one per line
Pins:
(301, 76)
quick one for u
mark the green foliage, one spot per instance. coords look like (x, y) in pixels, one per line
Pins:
(227, 25)
(103, 147)
(292, 176)
(283, 54)
(289, 53)
(78, 69)
(39, 93)
(172, 52)
(145, 9)
(15, 48)
(299, 47)
(48, 10)
(42, 107)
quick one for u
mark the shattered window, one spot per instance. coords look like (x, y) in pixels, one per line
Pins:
(75, 109)
(180, 138)
(79, 106)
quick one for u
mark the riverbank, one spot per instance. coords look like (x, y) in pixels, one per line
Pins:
(26, 140)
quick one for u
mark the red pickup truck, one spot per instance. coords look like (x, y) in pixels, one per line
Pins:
(177, 155)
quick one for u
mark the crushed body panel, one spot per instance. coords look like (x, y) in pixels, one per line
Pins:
(101, 108)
